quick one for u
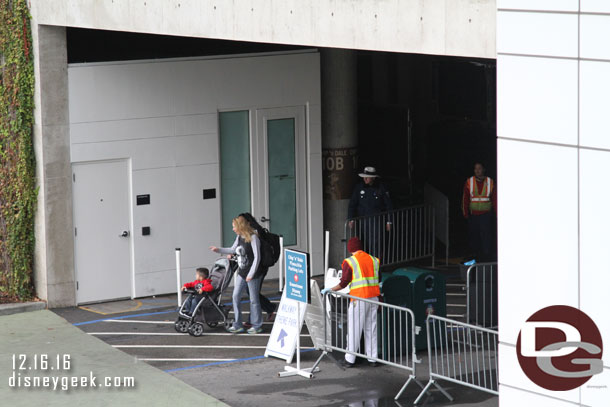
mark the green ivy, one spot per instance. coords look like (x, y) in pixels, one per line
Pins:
(17, 162)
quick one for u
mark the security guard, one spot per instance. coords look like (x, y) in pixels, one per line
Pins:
(370, 198)
(478, 205)
(361, 272)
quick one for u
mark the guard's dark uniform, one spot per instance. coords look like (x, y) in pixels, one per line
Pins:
(369, 200)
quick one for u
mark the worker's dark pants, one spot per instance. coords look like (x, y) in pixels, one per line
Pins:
(480, 235)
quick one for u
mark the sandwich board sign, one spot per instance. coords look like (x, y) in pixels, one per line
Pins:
(285, 335)
(286, 329)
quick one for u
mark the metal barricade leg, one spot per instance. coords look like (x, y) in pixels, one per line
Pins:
(315, 365)
(426, 389)
(439, 387)
(404, 387)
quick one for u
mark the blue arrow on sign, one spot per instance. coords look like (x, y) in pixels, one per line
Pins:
(281, 337)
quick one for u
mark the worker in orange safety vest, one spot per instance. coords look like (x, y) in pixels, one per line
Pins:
(478, 200)
(361, 272)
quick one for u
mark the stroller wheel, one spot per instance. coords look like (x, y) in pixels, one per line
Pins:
(182, 325)
(196, 329)
(212, 324)
(228, 323)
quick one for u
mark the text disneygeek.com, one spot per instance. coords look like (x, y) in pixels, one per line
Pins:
(60, 364)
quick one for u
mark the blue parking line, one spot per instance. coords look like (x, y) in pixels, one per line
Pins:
(226, 361)
(124, 317)
(150, 313)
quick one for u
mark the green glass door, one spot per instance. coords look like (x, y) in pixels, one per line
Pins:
(281, 177)
(234, 135)
(279, 183)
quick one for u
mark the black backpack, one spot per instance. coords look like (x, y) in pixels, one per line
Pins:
(270, 242)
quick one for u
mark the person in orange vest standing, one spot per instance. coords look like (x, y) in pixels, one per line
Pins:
(361, 272)
(478, 201)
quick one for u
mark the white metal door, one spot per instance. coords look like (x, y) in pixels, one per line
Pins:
(102, 248)
(279, 182)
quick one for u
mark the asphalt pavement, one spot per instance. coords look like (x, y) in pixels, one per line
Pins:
(232, 368)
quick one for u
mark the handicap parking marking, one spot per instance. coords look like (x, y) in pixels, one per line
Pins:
(161, 346)
(139, 333)
(304, 350)
(131, 321)
(214, 364)
(131, 309)
(191, 346)
(174, 310)
(123, 317)
(128, 321)
(183, 360)
(184, 334)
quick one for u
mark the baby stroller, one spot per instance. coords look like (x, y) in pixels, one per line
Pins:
(209, 310)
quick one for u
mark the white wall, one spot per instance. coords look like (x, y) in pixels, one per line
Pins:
(448, 27)
(163, 115)
(553, 165)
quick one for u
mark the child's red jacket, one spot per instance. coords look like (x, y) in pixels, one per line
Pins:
(203, 285)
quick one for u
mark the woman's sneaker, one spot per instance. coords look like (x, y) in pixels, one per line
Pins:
(254, 330)
(234, 330)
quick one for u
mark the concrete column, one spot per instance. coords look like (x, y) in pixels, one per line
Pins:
(54, 256)
(339, 141)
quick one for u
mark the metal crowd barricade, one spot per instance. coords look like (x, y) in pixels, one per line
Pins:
(411, 235)
(394, 333)
(482, 295)
(461, 353)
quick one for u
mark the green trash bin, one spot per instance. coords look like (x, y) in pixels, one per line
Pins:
(393, 332)
(396, 290)
(428, 296)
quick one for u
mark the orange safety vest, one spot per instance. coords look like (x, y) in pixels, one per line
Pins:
(480, 201)
(365, 275)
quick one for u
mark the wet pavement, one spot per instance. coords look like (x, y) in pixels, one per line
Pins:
(232, 368)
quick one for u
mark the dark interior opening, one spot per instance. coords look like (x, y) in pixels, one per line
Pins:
(448, 104)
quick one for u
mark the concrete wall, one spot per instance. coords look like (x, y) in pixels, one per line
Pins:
(54, 259)
(163, 115)
(553, 165)
(447, 27)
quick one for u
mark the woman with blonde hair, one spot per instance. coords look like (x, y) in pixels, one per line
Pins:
(247, 248)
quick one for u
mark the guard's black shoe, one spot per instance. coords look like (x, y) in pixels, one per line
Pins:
(345, 364)
(373, 364)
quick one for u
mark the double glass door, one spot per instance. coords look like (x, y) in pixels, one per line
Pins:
(275, 168)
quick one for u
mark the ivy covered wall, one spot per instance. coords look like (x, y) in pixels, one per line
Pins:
(17, 163)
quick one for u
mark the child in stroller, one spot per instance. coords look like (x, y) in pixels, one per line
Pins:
(201, 284)
(205, 307)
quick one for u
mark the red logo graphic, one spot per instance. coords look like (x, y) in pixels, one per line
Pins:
(296, 278)
(560, 348)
